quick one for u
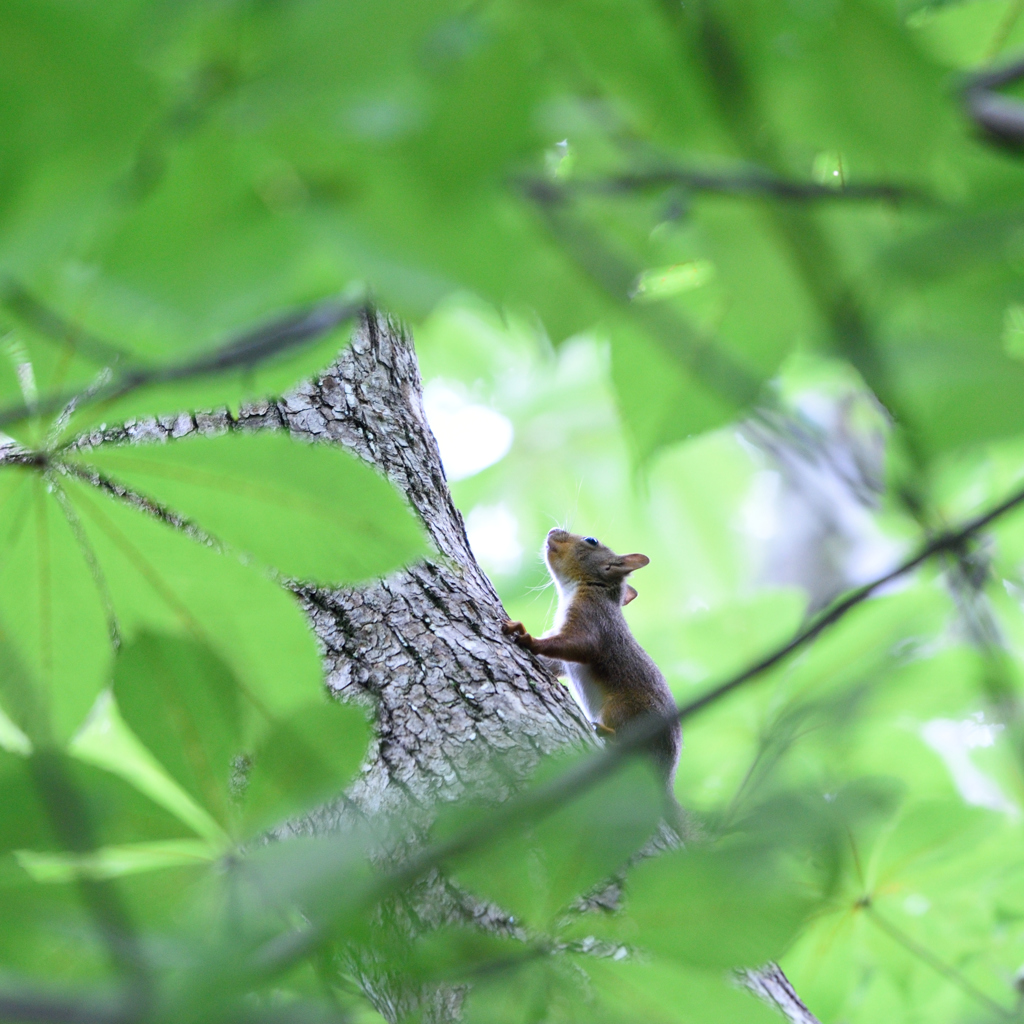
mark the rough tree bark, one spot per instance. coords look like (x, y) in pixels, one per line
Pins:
(423, 646)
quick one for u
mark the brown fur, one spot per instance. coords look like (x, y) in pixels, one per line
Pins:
(623, 682)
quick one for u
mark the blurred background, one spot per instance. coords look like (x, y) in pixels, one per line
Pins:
(738, 284)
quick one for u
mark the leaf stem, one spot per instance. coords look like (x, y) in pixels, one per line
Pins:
(925, 955)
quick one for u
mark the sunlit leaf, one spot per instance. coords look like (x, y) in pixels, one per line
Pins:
(54, 628)
(185, 706)
(715, 908)
(162, 581)
(312, 511)
(662, 992)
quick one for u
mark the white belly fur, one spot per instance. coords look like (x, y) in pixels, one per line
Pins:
(585, 688)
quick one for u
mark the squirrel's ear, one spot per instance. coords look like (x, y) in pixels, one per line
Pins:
(628, 595)
(634, 562)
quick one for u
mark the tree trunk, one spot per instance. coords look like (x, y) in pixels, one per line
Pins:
(452, 697)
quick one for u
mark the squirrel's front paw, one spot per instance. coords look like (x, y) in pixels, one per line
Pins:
(510, 628)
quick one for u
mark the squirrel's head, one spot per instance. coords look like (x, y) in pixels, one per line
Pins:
(574, 559)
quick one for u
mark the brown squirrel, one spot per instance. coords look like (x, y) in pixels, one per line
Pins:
(612, 677)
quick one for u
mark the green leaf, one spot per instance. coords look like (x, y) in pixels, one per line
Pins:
(311, 511)
(184, 703)
(24, 823)
(750, 903)
(47, 931)
(162, 581)
(545, 989)
(658, 396)
(535, 869)
(52, 802)
(305, 759)
(663, 992)
(927, 832)
(328, 879)
(54, 630)
(74, 103)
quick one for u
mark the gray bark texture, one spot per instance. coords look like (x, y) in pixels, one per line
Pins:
(459, 709)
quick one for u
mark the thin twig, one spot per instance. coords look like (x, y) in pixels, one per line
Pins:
(753, 182)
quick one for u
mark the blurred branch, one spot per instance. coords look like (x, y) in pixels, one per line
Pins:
(950, 540)
(1000, 117)
(51, 324)
(29, 1006)
(752, 182)
(243, 352)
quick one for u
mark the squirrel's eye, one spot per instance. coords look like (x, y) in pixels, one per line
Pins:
(592, 541)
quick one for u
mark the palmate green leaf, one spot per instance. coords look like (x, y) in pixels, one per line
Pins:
(305, 759)
(54, 632)
(24, 822)
(716, 908)
(927, 832)
(941, 883)
(630, 49)
(523, 988)
(535, 869)
(949, 336)
(311, 511)
(854, 82)
(455, 954)
(185, 705)
(160, 580)
(768, 309)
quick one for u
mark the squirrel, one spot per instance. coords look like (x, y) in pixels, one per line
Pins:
(612, 677)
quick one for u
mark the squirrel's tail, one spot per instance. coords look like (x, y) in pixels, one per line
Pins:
(677, 819)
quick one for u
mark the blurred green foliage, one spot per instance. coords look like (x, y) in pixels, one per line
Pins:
(739, 285)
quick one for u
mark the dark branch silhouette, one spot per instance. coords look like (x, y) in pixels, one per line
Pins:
(242, 352)
(747, 182)
(1000, 117)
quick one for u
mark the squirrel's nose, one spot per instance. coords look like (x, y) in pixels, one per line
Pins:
(557, 533)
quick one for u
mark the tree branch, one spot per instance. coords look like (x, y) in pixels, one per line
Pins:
(242, 352)
(754, 182)
(1000, 117)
